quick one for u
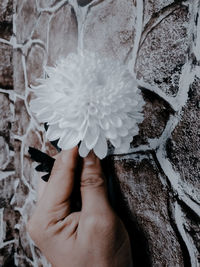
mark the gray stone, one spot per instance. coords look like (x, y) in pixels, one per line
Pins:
(183, 148)
(35, 63)
(46, 3)
(163, 52)
(84, 2)
(156, 114)
(6, 8)
(4, 154)
(41, 29)
(146, 200)
(109, 29)
(22, 118)
(6, 116)
(6, 69)
(26, 20)
(6, 11)
(18, 76)
(7, 255)
(153, 7)
(62, 34)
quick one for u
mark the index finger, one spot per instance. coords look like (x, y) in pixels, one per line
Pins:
(61, 181)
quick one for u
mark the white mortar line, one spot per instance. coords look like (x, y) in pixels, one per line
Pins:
(5, 42)
(81, 15)
(138, 35)
(197, 42)
(5, 174)
(53, 8)
(190, 247)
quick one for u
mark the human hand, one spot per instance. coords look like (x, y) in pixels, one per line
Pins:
(92, 237)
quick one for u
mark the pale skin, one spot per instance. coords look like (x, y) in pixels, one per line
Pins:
(93, 237)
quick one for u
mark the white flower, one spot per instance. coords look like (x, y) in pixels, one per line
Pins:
(89, 99)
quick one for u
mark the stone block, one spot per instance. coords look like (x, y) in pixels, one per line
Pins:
(154, 7)
(84, 2)
(22, 118)
(109, 29)
(26, 20)
(7, 255)
(41, 29)
(163, 52)
(18, 76)
(34, 64)
(145, 199)
(6, 12)
(63, 32)
(183, 148)
(4, 154)
(46, 3)
(6, 116)
(6, 68)
(156, 114)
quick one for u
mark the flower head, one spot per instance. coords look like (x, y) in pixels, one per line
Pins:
(90, 100)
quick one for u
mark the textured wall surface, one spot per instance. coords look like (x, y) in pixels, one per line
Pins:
(158, 180)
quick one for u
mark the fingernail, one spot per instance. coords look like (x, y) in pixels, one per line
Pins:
(90, 159)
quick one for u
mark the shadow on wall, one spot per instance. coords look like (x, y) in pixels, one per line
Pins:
(139, 243)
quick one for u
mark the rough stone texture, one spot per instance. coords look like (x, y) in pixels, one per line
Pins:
(6, 7)
(28, 15)
(6, 71)
(163, 51)
(184, 147)
(84, 2)
(62, 30)
(42, 27)
(157, 183)
(46, 3)
(153, 7)
(109, 28)
(4, 154)
(156, 115)
(18, 77)
(147, 199)
(35, 64)
(22, 119)
(6, 116)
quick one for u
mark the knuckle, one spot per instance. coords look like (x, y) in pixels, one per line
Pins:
(99, 223)
(93, 179)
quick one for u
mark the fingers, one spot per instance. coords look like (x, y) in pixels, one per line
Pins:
(60, 185)
(41, 187)
(93, 186)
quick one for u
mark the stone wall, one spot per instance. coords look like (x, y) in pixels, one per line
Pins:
(157, 182)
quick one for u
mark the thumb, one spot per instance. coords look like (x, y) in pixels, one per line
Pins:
(93, 185)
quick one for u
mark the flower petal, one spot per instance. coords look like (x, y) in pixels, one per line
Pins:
(44, 115)
(115, 120)
(36, 104)
(116, 142)
(125, 145)
(101, 147)
(69, 140)
(111, 133)
(83, 150)
(91, 136)
(54, 132)
(104, 123)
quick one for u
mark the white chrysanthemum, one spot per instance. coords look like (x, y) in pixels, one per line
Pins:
(90, 100)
